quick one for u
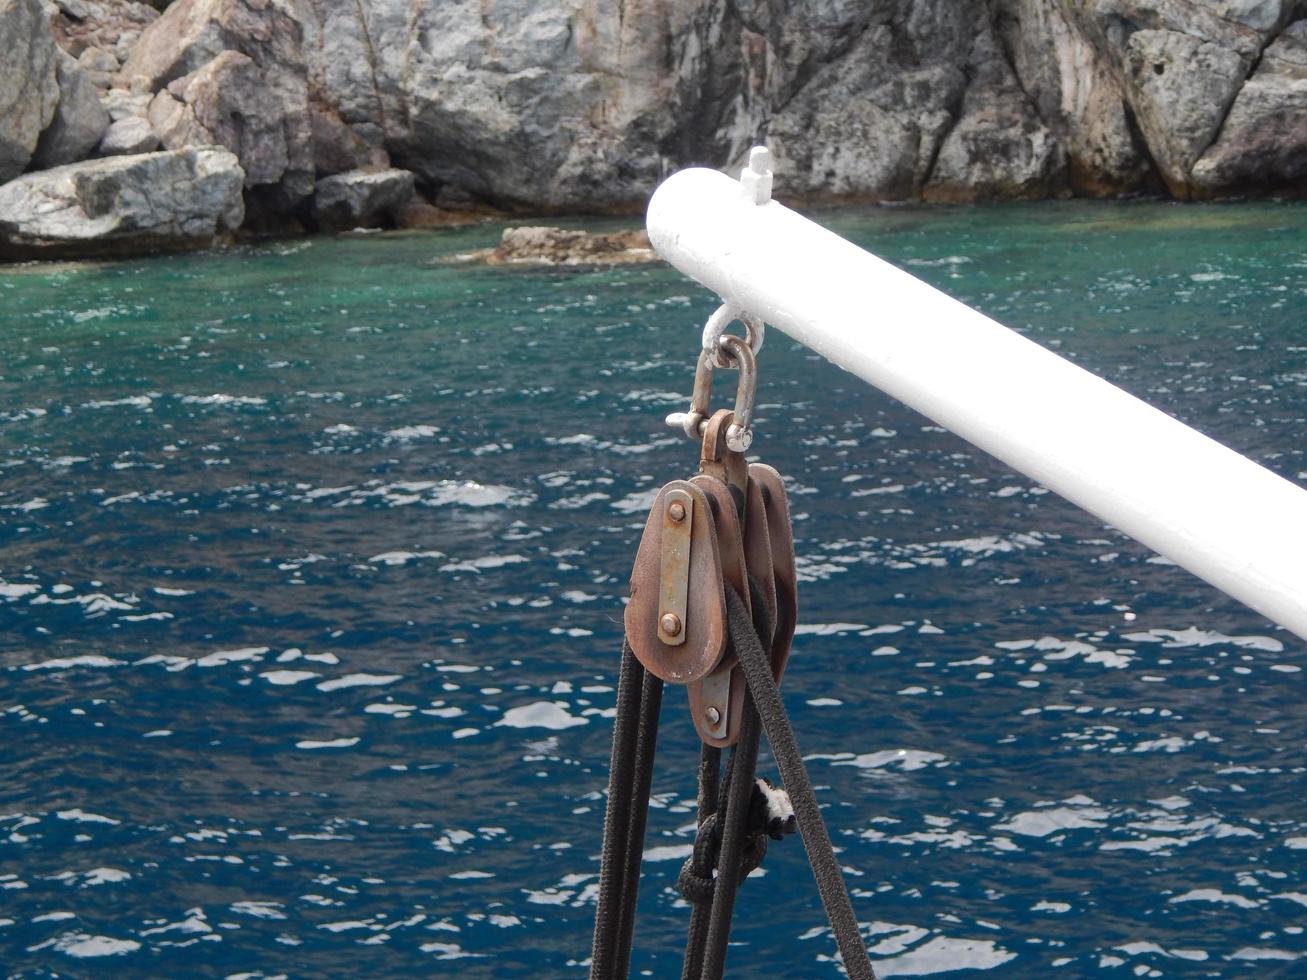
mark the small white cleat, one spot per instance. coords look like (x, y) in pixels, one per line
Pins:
(757, 176)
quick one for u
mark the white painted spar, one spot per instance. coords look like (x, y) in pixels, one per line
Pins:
(1223, 517)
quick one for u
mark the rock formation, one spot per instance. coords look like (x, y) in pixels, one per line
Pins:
(29, 86)
(545, 245)
(583, 107)
(361, 199)
(79, 119)
(122, 204)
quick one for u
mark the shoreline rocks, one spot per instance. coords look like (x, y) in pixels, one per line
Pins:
(361, 199)
(545, 245)
(123, 205)
(582, 108)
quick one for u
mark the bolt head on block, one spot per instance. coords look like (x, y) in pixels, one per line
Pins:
(671, 624)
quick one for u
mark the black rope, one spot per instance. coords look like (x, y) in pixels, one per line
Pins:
(695, 881)
(756, 664)
(651, 699)
(734, 819)
(623, 769)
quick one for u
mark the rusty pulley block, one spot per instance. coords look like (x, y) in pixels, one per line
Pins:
(726, 527)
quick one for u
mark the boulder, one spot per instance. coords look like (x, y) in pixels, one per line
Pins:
(544, 245)
(177, 199)
(123, 104)
(79, 120)
(1263, 141)
(361, 199)
(226, 103)
(29, 85)
(129, 135)
(1180, 87)
(187, 40)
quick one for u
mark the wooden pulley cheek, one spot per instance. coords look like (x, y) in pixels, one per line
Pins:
(676, 619)
(785, 575)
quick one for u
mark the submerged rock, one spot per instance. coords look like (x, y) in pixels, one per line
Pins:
(29, 88)
(176, 199)
(361, 199)
(541, 245)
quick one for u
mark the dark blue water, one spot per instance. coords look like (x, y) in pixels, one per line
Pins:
(311, 567)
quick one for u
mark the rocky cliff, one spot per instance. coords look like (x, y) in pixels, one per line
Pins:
(583, 105)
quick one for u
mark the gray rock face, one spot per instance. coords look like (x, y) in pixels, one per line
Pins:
(191, 35)
(1180, 87)
(1264, 138)
(361, 199)
(79, 120)
(225, 103)
(998, 147)
(127, 136)
(138, 203)
(1077, 93)
(29, 88)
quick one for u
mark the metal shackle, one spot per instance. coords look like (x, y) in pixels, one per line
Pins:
(735, 352)
(738, 434)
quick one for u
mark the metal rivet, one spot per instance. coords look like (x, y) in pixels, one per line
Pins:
(671, 624)
(713, 715)
(676, 512)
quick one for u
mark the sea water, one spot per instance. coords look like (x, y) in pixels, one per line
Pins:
(312, 560)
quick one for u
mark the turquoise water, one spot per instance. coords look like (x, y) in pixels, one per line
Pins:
(311, 566)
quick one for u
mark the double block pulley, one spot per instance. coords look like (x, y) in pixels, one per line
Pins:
(713, 607)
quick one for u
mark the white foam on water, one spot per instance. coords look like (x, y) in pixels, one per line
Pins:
(65, 663)
(942, 955)
(81, 946)
(1041, 823)
(359, 680)
(81, 816)
(333, 743)
(541, 714)
(287, 677)
(220, 658)
(904, 759)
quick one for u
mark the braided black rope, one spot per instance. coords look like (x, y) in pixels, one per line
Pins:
(651, 700)
(630, 771)
(756, 664)
(698, 867)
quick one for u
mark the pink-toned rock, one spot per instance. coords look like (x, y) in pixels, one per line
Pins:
(195, 42)
(225, 103)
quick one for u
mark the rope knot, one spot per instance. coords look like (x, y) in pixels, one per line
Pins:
(770, 815)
